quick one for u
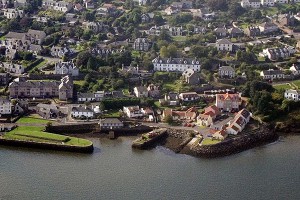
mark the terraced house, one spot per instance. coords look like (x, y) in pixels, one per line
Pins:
(21, 88)
(176, 64)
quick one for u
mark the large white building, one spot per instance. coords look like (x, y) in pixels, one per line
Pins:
(250, 3)
(5, 106)
(176, 64)
(228, 102)
(82, 112)
(13, 13)
(133, 111)
(62, 6)
(292, 95)
(268, 3)
(66, 68)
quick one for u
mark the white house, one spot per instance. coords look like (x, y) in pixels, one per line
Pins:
(84, 97)
(82, 112)
(277, 53)
(57, 5)
(268, 3)
(268, 27)
(224, 45)
(132, 111)
(292, 95)
(226, 71)
(188, 96)
(99, 95)
(5, 106)
(271, 74)
(13, 13)
(239, 122)
(228, 102)
(140, 91)
(176, 64)
(110, 123)
(250, 3)
(295, 69)
(66, 68)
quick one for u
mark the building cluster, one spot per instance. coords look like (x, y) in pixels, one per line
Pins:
(264, 3)
(21, 88)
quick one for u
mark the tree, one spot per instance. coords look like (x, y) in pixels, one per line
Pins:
(169, 119)
(164, 52)
(172, 50)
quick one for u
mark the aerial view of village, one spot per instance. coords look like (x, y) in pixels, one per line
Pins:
(205, 78)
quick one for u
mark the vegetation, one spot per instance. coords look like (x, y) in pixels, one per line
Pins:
(210, 141)
(32, 120)
(36, 134)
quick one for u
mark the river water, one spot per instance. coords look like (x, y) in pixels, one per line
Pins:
(115, 171)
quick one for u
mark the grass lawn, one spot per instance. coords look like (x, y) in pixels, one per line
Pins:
(80, 83)
(32, 120)
(209, 141)
(179, 38)
(111, 114)
(36, 134)
(297, 83)
(282, 86)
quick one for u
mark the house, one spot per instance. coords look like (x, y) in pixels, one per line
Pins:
(35, 36)
(171, 10)
(188, 96)
(82, 112)
(226, 72)
(292, 94)
(251, 3)
(140, 91)
(12, 68)
(295, 69)
(48, 111)
(176, 31)
(153, 91)
(143, 2)
(78, 7)
(252, 31)
(132, 111)
(235, 32)
(5, 106)
(57, 5)
(11, 13)
(141, 44)
(60, 52)
(268, 3)
(96, 27)
(110, 123)
(35, 49)
(224, 45)
(176, 64)
(171, 99)
(268, 27)
(106, 10)
(228, 102)
(199, 30)
(278, 53)
(4, 79)
(99, 95)
(220, 32)
(286, 19)
(89, 4)
(66, 68)
(208, 117)
(148, 113)
(147, 17)
(42, 89)
(189, 114)
(191, 77)
(220, 135)
(239, 122)
(7, 127)
(281, 1)
(271, 74)
(85, 97)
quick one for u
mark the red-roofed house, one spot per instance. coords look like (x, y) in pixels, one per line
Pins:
(239, 122)
(210, 114)
(228, 102)
(189, 114)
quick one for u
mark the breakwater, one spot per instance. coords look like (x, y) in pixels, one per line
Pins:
(149, 139)
(235, 145)
(48, 146)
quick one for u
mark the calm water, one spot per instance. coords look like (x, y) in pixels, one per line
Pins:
(115, 171)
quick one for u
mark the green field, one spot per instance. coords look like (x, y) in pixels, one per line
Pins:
(32, 120)
(209, 141)
(36, 134)
(282, 86)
